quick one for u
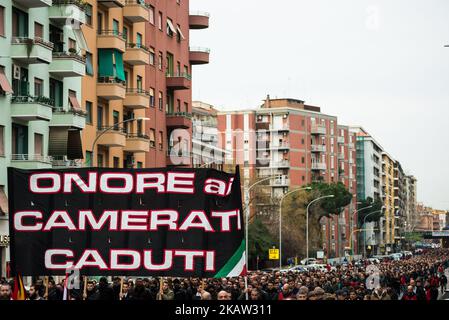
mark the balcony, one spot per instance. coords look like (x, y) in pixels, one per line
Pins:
(181, 120)
(281, 164)
(70, 118)
(199, 20)
(281, 146)
(179, 81)
(351, 160)
(136, 55)
(31, 51)
(262, 126)
(112, 3)
(28, 108)
(67, 10)
(136, 99)
(283, 127)
(63, 162)
(318, 148)
(112, 138)
(29, 4)
(111, 89)
(318, 130)
(318, 166)
(31, 161)
(67, 65)
(283, 182)
(341, 140)
(111, 39)
(199, 55)
(178, 158)
(137, 143)
(341, 156)
(136, 11)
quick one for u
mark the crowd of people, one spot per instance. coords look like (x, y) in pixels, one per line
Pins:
(420, 277)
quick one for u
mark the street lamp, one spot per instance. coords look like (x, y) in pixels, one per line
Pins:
(111, 128)
(280, 221)
(247, 190)
(364, 222)
(353, 216)
(307, 221)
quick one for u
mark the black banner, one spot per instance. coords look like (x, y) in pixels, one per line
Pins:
(139, 222)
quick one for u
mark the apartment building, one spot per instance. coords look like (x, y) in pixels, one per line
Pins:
(388, 220)
(411, 213)
(206, 153)
(41, 70)
(400, 204)
(347, 174)
(369, 174)
(298, 143)
(138, 89)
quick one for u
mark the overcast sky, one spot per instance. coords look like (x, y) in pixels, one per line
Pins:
(379, 64)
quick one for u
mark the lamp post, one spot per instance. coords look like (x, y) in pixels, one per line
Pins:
(280, 220)
(307, 221)
(109, 129)
(246, 209)
(364, 222)
(353, 218)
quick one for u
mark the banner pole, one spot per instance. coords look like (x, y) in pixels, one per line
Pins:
(246, 240)
(121, 288)
(46, 287)
(85, 288)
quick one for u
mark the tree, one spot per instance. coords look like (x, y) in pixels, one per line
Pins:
(260, 240)
(331, 206)
(376, 207)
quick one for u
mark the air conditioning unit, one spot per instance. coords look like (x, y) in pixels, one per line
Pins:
(16, 74)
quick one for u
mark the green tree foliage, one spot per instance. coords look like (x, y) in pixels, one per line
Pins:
(376, 207)
(331, 206)
(260, 240)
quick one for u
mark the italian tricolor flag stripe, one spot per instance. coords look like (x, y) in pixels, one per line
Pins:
(236, 266)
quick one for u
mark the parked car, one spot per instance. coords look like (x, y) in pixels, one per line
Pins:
(308, 261)
(298, 268)
(320, 267)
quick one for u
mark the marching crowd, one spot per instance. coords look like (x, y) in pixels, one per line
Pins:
(419, 277)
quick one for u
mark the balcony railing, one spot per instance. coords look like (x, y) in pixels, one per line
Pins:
(199, 49)
(179, 114)
(200, 13)
(78, 112)
(137, 91)
(131, 45)
(318, 148)
(33, 99)
(179, 75)
(69, 55)
(31, 157)
(79, 3)
(64, 162)
(137, 135)
(111, 33)
(111, 80)
(32, 41)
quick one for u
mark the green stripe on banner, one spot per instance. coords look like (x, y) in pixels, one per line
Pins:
(231, 262)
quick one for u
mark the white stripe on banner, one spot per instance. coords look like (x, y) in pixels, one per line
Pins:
(237, 270)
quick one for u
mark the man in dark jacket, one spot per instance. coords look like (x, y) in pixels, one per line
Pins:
(420, 292)
(140, 292)
(105, 292)
(91, 291)
(271, 292)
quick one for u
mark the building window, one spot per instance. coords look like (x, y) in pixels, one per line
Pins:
(159, 20)
(116, 162)
(152, 138)
(115, 119)
(89, 66)
(2, 21)
(151, 10)
(73, 101)
(161, 58)
(100, 118)
(178, 107)
(88, 112)
(38, 144)
(38, 87)
(38, 30)
(89, 158)
(161, 140)
(139, 83)
(115, 27)
(19, 23)
(100, 161)
(161, 101)
(302, 141)
(186, 107)
(152, 102)
(170, 28)
(72, 44)
(152, 56)
(303, 178)
(302, 160)
(2, 141)
(88, 11)
(125, 33)
(139, 40)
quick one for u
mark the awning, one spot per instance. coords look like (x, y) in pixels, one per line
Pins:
(3, 201)
(4, 83)
(106, 66)
(171, 26)
(180, 33)
(74, 103)
(65, 142)
(80, 39)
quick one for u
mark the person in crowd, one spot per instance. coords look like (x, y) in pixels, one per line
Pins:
(410, 294)
(165, 292)
(5, 291)
(33, 293)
